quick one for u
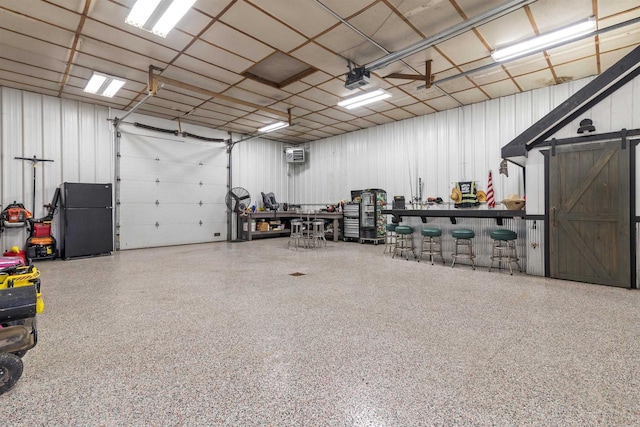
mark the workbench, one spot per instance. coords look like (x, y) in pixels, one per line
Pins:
(248, 234)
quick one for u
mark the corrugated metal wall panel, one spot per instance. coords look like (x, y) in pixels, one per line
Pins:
(535, 247)
(72, 134)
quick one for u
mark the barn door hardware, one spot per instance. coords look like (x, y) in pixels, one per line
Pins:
(157, 203)
(157, 180)
(200, 203)
(553, 147)
(157, 224)
(623, 134)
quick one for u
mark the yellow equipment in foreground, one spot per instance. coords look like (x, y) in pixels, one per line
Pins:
(20, 301)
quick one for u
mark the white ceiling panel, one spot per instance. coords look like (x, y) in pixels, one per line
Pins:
(214, 55)
(534, 80)
(262, 27)
(321, 59)
(429, 17)
(234, 41)
(36, 39)
(291, 15)
(501, 88)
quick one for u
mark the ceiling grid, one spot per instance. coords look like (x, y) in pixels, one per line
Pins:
(216, 42)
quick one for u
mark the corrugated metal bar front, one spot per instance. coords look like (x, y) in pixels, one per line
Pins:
(535, 247)
(482, 243)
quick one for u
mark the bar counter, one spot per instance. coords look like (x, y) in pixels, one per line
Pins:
(453, 214)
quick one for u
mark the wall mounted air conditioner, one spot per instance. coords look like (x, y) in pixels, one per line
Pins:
(294, 155)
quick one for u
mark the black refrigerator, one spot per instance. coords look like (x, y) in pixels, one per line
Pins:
(86, 220)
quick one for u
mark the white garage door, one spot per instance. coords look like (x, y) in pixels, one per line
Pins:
(171, 191)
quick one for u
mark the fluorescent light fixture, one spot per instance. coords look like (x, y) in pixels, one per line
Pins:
(104, 85)
(545, 40)
(273, 126)
(158, 16)
(364, 99)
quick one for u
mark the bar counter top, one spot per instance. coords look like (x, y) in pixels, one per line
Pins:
(437, 212)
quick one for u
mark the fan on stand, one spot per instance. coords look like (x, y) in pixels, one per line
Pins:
(238, 200)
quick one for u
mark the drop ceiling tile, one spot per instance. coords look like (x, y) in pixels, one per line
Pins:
(181, 96)
(362, 123)
(507, 30)
(203, 121)
(33, 46)
(618, 39)
(466, 47)
(456, 85)
(501, 88)
(28, 70)
(296, 87)
(212, 8)
(234, 41)
(212, 54)
(530, 64)
(535, 80)
(320, 96)
(20, 56)
(552, 15)
(576, 70)
(306, 103)
(608, 7)
(381, 24)
(470, 96)
(310, 124)
(336, 87)
(429, 17)
(247, 96)
(419, 109)
(378, 118)
(119, 100)
(322, 59)
(318, 133)
(607, 59)
(443, 103)
(201, 112)
(291, 15)
(114, 55)
(320, 118)
(252, 21)
(196, 66)
(30, 88)
(44, 12)
(572, 52)
(488, 76)
(401, 98)
(28, 80)
(345, 9)
(103, 35)
(266, 90)
(399, 114)
(338, 115)
(176, 107)
(317, 78)
(249, 123)
(84, 65)
(347, 127)
(421, 94)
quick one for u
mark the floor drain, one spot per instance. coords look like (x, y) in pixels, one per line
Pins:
(296, 274)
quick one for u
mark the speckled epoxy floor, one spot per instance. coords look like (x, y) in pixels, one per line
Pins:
(221, 334)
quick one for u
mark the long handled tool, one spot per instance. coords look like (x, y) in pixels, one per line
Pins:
(35, 161)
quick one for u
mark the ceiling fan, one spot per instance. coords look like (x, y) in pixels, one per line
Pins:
(428, 78)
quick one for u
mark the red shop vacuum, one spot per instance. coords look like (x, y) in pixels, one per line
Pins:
(41, 244)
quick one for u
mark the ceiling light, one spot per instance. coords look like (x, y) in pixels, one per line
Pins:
(158, 16)
(545, 40)
(273, 126)
(364, 99)
(104, 85)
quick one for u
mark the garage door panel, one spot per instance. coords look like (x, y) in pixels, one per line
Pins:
(188, 181)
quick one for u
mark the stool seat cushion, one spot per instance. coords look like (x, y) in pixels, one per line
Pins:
(404, 229)
(503, 234)
(391, 227)
(463, 233)
(431, 232)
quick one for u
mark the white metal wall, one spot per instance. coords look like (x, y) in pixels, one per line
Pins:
(258, 165)
(75, 135)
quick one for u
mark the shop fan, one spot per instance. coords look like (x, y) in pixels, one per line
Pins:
(238, 199)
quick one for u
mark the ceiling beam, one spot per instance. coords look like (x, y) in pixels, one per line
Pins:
(74, 46)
